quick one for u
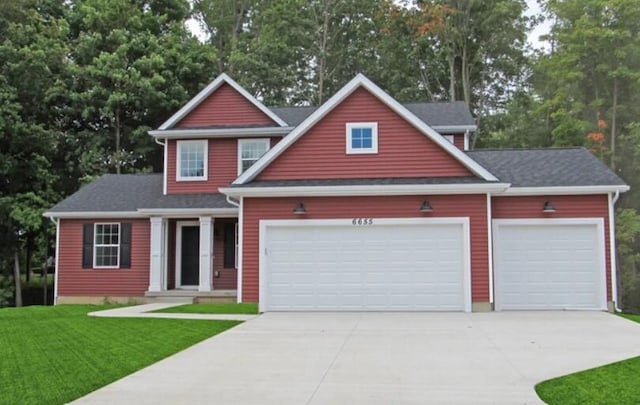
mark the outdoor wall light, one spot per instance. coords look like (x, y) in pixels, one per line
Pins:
(426, 207)
(299, 209)
(548, 207)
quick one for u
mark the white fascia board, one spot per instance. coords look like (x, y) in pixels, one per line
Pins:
(213, 86)
(364, 190)
(457, 129)
(572, 190)
(190, 212)
(219, 132)
(94, 214)
(355, 83)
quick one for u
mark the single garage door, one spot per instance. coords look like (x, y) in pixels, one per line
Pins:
(549, 264)
(365, 264)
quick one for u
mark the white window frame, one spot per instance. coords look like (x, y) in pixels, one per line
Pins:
(374, 137)
(241, 142)
(96, 245)
(450, 138)
(179, 144)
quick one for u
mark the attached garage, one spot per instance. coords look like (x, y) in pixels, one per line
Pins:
(365, 264)
(544, 264)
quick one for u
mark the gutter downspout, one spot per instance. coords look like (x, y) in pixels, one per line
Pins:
(56, 221)
(612, 248)
(232, 202)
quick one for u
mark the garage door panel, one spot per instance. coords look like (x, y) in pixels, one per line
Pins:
(344, 267)
(547, 265)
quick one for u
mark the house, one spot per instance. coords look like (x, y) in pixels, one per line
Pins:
(362, 203)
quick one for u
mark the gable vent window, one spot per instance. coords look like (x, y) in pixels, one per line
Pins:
(362, 137)
(249, 151)
(192, 160)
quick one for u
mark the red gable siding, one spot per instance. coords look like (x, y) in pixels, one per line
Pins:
(222, 169)
(74, 280)
(402, 150)
(472, 206)
(225, 106)
(567, 206)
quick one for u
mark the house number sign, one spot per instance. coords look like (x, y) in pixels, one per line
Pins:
(362, 221)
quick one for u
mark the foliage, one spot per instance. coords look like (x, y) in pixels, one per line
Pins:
(242, 308)
(56, 354)
(6, 291)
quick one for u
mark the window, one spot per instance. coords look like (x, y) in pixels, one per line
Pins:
(249, 151)
(449, 138)
(106, 245)
(362, 137)
(191, 160)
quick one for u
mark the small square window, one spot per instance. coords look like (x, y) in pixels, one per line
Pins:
(362, 137)
(191, 160)
(249, 151)
(450, 138)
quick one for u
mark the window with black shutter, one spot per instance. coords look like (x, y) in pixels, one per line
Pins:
(106, 245)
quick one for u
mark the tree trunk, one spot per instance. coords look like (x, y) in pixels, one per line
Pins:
(27, 259)
(16, 276)
(322, 62)
(466, 85)
(117, 154)
(614, 112)
(452, 75)
(45, 278)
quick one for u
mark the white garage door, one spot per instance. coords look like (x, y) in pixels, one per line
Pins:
(387, 265)
(549, 264)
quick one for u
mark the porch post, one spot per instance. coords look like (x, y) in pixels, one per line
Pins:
(156, 263)
(206, 249)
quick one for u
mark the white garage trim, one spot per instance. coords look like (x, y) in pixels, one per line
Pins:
(499, 224)
(266, 224)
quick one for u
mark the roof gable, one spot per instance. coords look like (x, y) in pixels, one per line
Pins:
(223, 81)
(361, 81)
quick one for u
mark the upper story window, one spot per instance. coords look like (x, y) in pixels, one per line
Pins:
(362, 137)
(191, 160)
(106, 245)
(450, 138)
(249, 151)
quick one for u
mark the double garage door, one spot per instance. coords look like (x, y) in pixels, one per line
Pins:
(424, 265)
(365, 264)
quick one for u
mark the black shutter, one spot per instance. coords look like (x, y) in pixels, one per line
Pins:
(229, 245)
(125, 246)
(87, 246)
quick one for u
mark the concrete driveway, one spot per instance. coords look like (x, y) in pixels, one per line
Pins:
(381, 358)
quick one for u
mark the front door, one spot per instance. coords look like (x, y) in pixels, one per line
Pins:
(190, 252)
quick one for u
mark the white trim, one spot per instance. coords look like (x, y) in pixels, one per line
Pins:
(361, 81)
(219, 132)
(165, 171)
(241, 142)
(264, 224)
(205, 268)
(364, 190)
(567, 190)
(450, 138)
(191, 212)
(178, 275)
(95, 244)
(455, 128)
(350, 126)
(206, 92)
(57, 269)
(490, 246)
(466, 140)
(94, 214)
(205, 160)
(598, 222)
(612, 252)
(240, 250)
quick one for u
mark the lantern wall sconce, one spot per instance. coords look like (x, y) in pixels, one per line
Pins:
(300, 209)
(548, 207)
(426, 207)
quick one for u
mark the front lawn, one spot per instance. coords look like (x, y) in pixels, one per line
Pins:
(616, 383)
(222, 308)
(52, 355)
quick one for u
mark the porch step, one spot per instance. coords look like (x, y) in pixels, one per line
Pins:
(179, 300)
(191, 296)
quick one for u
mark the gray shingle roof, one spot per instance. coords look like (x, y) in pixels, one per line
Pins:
(434, 114)
(362, 182)
(559, 167)
(130, 192)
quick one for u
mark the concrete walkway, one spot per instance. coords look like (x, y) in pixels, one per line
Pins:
(381, 358)
(145, 311)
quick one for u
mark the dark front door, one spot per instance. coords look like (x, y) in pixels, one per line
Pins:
(189, 263)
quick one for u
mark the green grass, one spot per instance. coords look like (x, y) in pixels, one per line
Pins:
(52, 355)
(242, 308)
(616, 383)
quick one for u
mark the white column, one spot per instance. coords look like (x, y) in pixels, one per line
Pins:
(206, 256)
(156, 268)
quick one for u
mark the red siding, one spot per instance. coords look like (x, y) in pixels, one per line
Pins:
(74, 280)
(222, 167)
(577, 206)
(225, 106)
(472, 206)
(402, 150)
